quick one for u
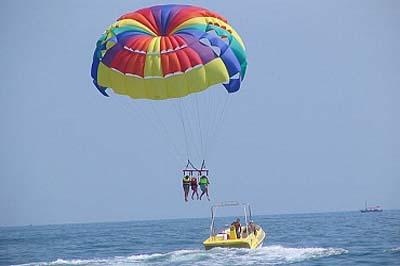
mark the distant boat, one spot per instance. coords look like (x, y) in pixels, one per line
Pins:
(371, 208)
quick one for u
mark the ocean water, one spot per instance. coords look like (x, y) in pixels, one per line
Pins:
(345, 238)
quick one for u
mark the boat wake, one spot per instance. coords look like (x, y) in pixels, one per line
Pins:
(269, 255)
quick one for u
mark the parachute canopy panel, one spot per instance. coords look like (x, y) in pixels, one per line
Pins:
(168, 51)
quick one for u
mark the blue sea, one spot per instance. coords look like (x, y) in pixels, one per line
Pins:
(343, 238)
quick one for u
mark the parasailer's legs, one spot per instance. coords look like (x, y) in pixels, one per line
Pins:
(186, 185)
(194, 186)
(186, 190)
(195, 192)
(208, 197)
(204, 189)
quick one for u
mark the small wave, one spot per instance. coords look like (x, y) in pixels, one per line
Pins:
(269, 255)
(282, 255)
(68, 262)
(394, 250)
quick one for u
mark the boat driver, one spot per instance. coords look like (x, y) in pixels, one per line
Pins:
(237, 226)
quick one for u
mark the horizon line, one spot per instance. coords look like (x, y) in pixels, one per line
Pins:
(179, 218)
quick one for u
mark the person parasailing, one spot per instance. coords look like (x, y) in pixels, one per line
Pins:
(194, 186)
(186, 185)
(204, 182)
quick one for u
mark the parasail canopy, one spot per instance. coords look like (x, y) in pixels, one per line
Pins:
(168, 51)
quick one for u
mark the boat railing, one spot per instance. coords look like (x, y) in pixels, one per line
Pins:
(246, 210)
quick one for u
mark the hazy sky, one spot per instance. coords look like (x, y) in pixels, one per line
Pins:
(315, 126)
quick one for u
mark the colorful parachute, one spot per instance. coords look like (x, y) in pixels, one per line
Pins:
(168, 51)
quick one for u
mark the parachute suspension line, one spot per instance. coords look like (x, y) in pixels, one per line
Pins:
(218, 123)
(178, 111)
(144, 116)
(164, 128)
(221, 118)
(217, 105)
(189, 127)
(211, 104)
(203, 165)
(197, 127)
(184, 130)
(189, 163)
(202, 148)
(188, 107)
(190, 169)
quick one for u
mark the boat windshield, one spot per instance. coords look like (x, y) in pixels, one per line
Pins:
(224, 214)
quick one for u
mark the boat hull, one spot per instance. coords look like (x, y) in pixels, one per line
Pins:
(364, 211)
(252, 241)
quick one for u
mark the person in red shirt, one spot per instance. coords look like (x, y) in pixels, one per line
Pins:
(194, 185)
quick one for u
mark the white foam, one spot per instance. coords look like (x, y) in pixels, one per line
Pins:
(395, 250)
(269, 255)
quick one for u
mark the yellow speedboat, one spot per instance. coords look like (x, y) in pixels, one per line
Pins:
(249, 235)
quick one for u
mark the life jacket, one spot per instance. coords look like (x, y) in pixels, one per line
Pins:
(203, 181)
(193, 182)
(186, 180)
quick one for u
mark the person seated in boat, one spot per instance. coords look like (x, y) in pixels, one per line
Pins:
(245, 232)
(194, 185)
(204, 182)
(252, 228)
(237, 226)
(186, 185)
